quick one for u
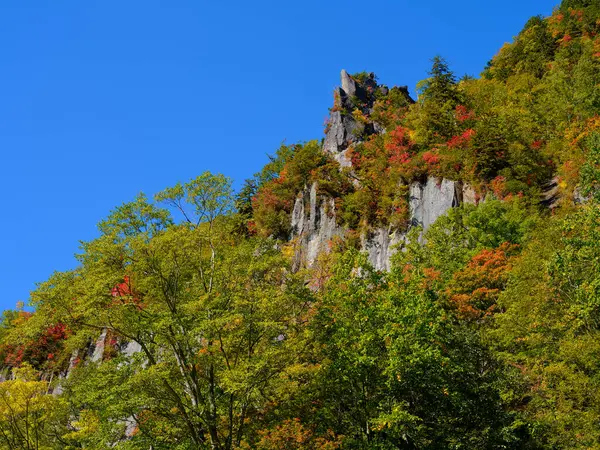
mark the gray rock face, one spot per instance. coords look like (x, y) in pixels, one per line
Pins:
(72, 362)
(95, 353)
(550, 193)
(348, 84)
(98, 349)
(579, 198)
(430, 200)
(380, 245)
(469, 196)
(313, 225)
(343, 129)
(131, 348)
(342, 132)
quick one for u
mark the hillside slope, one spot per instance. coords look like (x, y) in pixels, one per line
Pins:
(426, 276)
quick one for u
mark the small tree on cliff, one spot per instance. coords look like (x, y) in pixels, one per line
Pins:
(433, 117)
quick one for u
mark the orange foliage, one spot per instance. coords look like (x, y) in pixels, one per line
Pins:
(475, 289)
(463, 114)
(430, 277)
(498, 186)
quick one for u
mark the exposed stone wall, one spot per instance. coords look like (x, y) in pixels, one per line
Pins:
(314, 222)
(380, 245)
(313, 225)
(97, 350)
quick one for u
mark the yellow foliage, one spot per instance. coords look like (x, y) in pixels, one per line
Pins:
(27, 411)
(87, 425)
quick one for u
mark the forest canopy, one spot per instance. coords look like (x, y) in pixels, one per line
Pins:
(187, 323)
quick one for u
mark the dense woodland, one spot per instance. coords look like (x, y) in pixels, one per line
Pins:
(485, 333)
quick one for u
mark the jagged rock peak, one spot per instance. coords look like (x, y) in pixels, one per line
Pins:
(343, 130)
(362, 89)
(358, 92)
(348, 83)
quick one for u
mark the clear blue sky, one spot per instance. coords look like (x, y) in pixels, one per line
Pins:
(102, 100)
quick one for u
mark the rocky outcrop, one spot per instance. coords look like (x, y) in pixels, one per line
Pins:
(97, 350)
(380, 245)
(313, 225)
(550, 193)
(58, 389)
(343, 128)
(130, 348)
(428, 201)
(95, 354)
(579, 198)
(314, 217)
(431, 199)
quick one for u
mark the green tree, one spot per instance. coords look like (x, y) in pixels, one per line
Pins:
(215, 317)
(433, 116)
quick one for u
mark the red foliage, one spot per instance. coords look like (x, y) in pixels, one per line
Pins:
(431, 158)
(251, 226)
(398, 146)
(39, 351)
(124, 294)
(565, 40)
(537, 144)
(462, 140)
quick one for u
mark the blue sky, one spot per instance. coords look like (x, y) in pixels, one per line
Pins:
(102, 100)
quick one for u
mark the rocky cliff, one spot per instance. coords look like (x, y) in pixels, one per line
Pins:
(313, 218)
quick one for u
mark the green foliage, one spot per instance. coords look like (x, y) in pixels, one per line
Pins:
(207, 198)
(134, 218)
(380, 200)
(549, 330)
(275, 165)
(590, 171)
(215, 318)
(439, 96)
(456, 237)
(440, 87)
(397, 372)
(530, 53)
(361, 77)
(484, 333)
